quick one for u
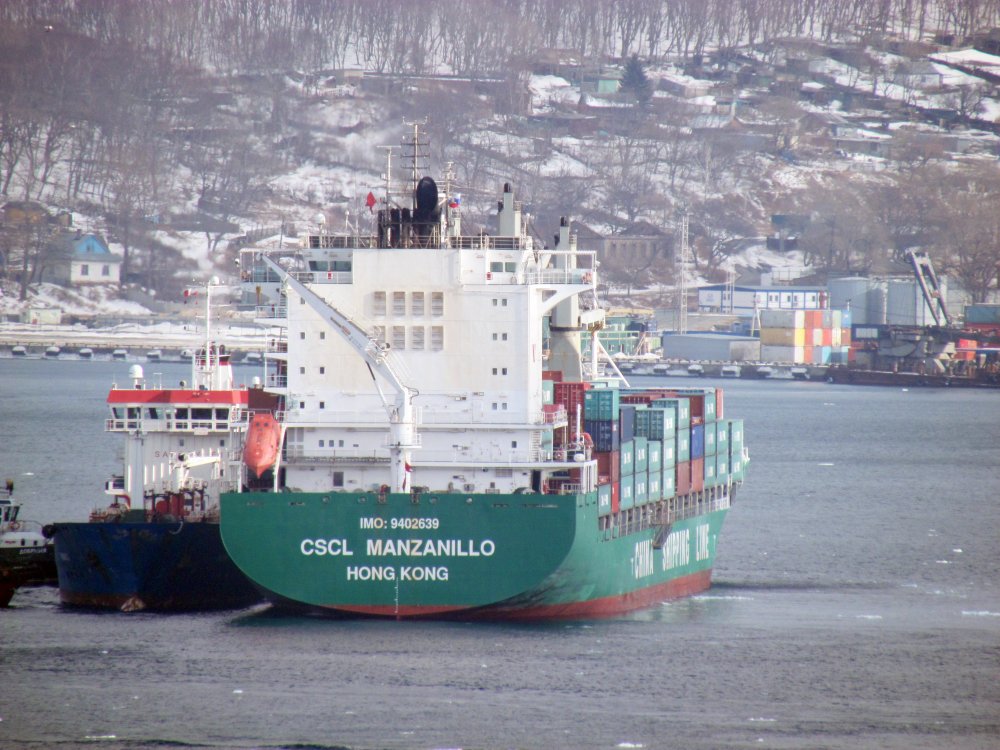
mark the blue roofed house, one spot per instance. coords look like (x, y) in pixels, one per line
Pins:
(83, 260)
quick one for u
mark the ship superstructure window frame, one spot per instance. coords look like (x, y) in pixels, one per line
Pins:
(437, 304)
(417, 334)
(398, 304)
(399, 337)
(417, 305)
(378, 303)
(437, 338)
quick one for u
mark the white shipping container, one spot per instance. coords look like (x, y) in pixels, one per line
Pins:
(787, 354)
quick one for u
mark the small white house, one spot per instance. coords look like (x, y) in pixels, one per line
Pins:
(77, 259)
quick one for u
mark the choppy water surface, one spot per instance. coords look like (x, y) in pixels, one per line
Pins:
(856, 604)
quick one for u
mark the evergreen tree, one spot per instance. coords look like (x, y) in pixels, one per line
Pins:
(635, 82)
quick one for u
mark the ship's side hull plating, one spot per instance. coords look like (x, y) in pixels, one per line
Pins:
(177, 566)
(493, 556)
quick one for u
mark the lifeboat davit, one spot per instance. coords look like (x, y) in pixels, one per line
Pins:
(263, 443)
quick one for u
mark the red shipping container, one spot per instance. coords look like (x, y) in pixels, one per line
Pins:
(718, 404)
(609, 463)
(697, 402)
(814, 319)
(571, 395)
(827, 337)
(697, 474)
(682, 477)
(554, 375)
(616, 497)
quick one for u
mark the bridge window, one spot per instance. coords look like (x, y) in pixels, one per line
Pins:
(399, 337)
(417, 304)
(378, 303)
(399, 303)
(437, 338)
(437, 304)
(417, 338)
(338, 479)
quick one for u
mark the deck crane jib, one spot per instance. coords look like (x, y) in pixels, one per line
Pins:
(402, 421)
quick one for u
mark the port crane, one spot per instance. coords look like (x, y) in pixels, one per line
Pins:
(923, 269)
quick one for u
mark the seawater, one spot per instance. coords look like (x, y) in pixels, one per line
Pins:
(856, 604)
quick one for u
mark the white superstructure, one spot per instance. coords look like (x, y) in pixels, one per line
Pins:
(456, 318)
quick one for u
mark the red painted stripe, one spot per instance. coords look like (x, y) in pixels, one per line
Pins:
(608, 606)
(193, 398)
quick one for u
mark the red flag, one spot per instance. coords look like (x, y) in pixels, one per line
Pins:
(370, 201)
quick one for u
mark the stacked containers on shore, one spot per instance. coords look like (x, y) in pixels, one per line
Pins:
(805, 337)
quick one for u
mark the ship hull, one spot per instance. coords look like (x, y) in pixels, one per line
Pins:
(492, 556)
(178, 566)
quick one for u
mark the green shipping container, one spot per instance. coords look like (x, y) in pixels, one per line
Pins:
(655, 479)
(548, 392)
(668, 453)
(710, 440)
(627, 458)
(735, 435)
(722, 468)
(656, 423)
(654, 456)
(667, 488)
(683, 445)
(603, 499)
(737, 469)
(710, 478)
(681, 408)
(641, 454)
(722, 436)
(641, 491)
(601, 403)
(627, 492)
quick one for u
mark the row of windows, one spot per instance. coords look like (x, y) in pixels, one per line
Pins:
(414, 338)
(85, 270)
(417, 306)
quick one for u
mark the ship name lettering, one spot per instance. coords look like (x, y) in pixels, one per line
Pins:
(701, 541)
(334, 547)
(677, 549)
(371, 573)
(642, 559)
(430, 548)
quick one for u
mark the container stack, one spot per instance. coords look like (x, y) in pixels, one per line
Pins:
(809, 337)
(654, 444)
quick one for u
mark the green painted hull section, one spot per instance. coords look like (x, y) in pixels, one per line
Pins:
(448, 553)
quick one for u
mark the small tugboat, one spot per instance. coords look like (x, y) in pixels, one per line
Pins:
(157, 545)
(26, 556)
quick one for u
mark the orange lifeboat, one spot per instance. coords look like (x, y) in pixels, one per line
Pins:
(263, 443)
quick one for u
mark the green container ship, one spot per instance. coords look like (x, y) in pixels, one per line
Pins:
(431, 458)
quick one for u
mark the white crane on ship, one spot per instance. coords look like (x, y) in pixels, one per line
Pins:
(402, 421)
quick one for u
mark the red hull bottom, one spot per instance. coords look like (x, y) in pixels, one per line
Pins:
(594, 608)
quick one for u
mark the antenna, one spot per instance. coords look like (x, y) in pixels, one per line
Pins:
(417, 151)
